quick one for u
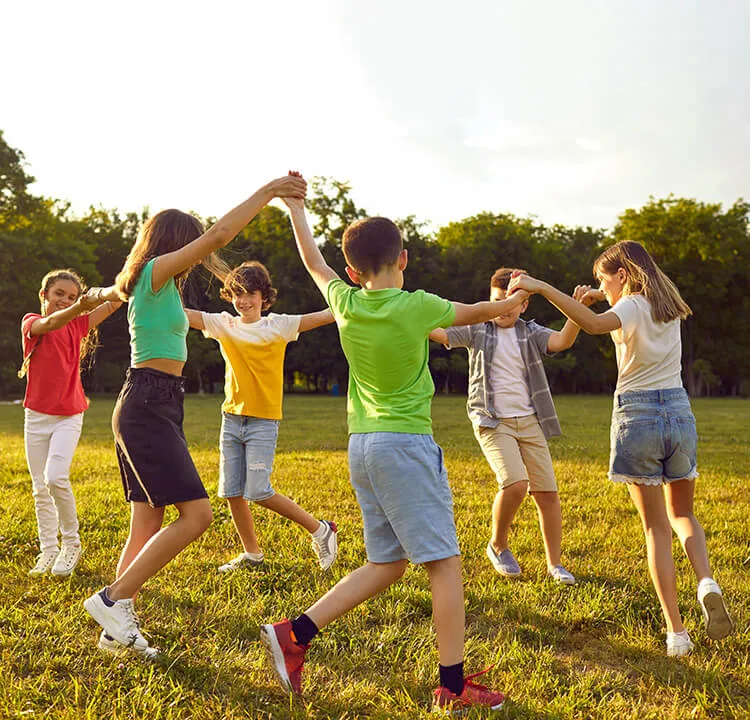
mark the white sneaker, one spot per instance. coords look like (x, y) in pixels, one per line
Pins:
(109, 645)
(44, 561)
(325, 543)
(718, 622)
(118, 619)
(679, 644)
(67, 560)
(245, 559)
(560, 575)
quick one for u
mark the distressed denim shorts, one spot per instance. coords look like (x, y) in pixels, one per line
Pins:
(402, 490)
(653, 437)
(247, 448)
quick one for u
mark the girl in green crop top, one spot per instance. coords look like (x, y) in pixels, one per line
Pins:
(152, 453)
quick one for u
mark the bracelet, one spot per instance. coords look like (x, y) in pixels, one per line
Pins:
(99, 294)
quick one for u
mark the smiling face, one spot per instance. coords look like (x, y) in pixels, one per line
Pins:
(508, 320)
(248, 305)
(60, 295)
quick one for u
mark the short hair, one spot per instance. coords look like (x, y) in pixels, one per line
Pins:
(247, 278)
(501, 277)
(370, 244)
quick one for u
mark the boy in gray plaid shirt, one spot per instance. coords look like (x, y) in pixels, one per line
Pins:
(510, 407)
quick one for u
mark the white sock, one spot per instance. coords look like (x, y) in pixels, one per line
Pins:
(320, 531)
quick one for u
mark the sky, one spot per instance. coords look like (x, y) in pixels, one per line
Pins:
(568, 112)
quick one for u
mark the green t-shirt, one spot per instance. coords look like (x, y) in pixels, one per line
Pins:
(156, 320)
(384, 337)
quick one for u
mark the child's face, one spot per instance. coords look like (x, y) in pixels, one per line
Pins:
(248, 305)
(611, 285)
(508, 320)
(60, 295)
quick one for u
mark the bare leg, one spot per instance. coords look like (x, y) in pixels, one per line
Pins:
(649, 500)
(448, 608)
(550, 522)
(679, 498)
(145, 522)
(504, 509)
(244, 523)
(354, 589)
(195, 516)
(282, 505)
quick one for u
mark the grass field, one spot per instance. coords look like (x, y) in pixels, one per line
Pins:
(595, 650)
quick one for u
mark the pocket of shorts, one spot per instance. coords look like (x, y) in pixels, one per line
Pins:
(638, 439)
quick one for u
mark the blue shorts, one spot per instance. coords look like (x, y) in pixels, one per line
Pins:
(247, 448)
(403, 493)
(653, 437)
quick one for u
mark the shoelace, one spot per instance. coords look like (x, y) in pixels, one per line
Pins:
(469, 678)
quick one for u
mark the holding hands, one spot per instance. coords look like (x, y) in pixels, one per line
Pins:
(295, 201)
(587, 295)
(291, 187)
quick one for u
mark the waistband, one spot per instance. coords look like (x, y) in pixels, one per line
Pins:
(657, 397)
(155, 378)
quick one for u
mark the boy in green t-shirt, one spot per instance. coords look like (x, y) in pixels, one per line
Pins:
(396, 468)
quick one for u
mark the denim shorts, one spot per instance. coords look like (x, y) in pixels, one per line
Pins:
(247, 448)
(653, 437)
(402, 490)
(152, 453)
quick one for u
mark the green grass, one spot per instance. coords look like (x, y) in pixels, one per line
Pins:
(591, 651)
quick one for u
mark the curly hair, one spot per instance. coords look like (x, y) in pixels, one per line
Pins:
(247, 278)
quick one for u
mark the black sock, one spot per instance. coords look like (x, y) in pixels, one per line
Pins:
(105, 598)
(304, 629)
(452, 677)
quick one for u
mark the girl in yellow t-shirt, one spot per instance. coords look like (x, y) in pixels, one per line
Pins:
(253, 348)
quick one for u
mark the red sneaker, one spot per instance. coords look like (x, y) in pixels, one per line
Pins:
(286, 657)
(473, 695)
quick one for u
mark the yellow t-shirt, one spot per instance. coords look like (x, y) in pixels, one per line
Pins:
(254, 357)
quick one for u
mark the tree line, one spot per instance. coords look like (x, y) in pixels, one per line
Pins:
(703, 247)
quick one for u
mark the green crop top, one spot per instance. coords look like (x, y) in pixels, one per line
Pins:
(156, 320)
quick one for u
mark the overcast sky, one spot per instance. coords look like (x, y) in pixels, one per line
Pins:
(568, 111)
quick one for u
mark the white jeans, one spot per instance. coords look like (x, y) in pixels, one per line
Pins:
(50, 443)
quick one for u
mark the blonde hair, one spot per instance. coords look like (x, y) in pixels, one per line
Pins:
(89, 343)
(644, 277)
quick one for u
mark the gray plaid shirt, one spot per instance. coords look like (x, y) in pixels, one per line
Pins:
(481, 342)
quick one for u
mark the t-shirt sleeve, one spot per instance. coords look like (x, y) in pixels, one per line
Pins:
(287, 326)
(29, 341)
(337, 295)
(435, 312)
(213, 327)
(539, 335)
(459, 336)
(626, 308)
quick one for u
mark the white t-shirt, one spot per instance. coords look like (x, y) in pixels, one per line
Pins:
(254, 356)
(508, 376)
(649, 353)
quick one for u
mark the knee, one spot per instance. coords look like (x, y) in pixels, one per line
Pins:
(199, 516)
(57, 483)
(517, 491)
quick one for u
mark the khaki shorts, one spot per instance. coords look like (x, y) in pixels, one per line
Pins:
(517, 451)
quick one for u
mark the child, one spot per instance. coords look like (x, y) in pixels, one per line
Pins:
(395, 466)
(653, 431)
(253, 348)
(155, 464)
(510, 407)
(55, 343)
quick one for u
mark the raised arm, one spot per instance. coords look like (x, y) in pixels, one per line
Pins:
(101, 313)
(439, 335)
(564, 339)
(487, 309)
(313, 320)
(589, 321)
(224, 230)
(309, 251)
(59, 319)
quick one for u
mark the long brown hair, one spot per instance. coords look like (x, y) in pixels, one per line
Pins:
(90, 342)
(644, 277)
(162, 233)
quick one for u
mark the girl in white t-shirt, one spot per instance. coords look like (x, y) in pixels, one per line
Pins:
(653, 435)
(253, 347)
